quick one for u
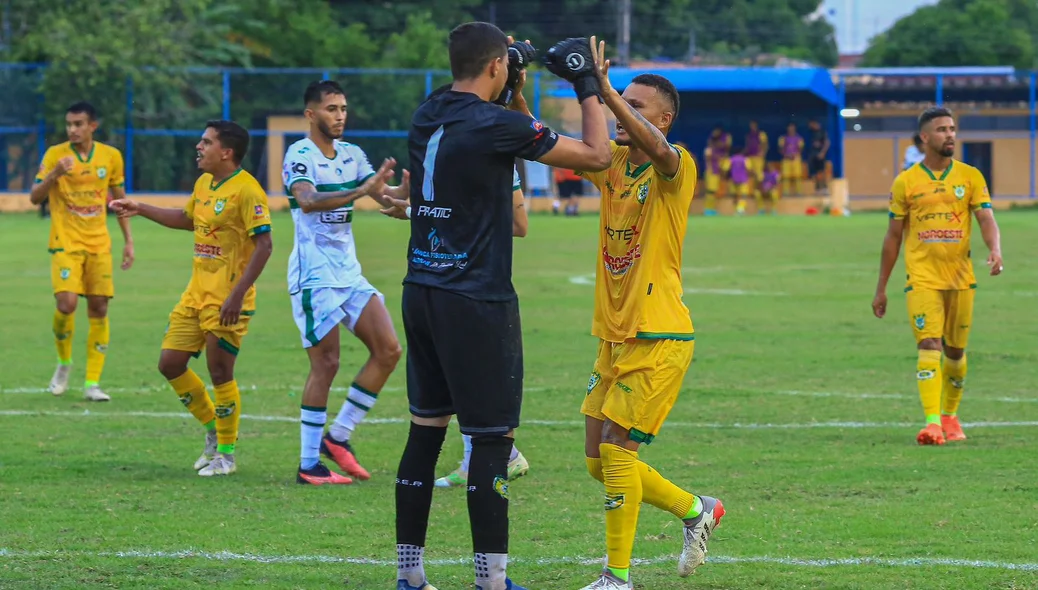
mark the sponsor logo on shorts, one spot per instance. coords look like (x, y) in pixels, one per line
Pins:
(593, 382)
(925, 375)
(208, 251)
(619, 265)
(64, 273)
(941, 236)
(919, 320)
(614, 502)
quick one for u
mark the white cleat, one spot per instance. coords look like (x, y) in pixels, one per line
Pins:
(220, 465)
(518, 467)
(209, 452)
(94, 393)
(697, 533)
(59, 382)
(608, 581)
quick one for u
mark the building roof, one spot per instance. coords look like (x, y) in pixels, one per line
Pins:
(724, 79)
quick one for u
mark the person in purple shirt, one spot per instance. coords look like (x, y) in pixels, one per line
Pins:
(768, 195)
(791, 145)
(740, 176)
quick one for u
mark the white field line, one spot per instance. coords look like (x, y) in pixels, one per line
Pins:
(558, 423)
(286, 389)
(365, 561)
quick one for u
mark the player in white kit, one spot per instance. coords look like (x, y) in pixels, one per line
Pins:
(323, 177)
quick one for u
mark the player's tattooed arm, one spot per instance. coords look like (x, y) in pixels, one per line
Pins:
(309, 199)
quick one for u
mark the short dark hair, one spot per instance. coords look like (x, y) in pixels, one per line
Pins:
(316, 90)
(933, 113)
(917, 139)
(83, 107)
(662, 86)
(472, 46)
(232, 136)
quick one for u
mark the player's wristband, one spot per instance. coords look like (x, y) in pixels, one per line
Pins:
(588, 86)
(408, 213)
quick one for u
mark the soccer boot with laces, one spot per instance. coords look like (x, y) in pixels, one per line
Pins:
(220, 465)
(343, 455)
(930, 435)
(208, 452)
(697, 533)
(94, 393)
(608, 581)
(952, 428)
(59, 382)
(320, 475)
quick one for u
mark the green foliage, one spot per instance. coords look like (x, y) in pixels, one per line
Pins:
(961, 33)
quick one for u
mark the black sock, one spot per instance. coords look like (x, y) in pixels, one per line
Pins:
(414, 483)
(488, 493)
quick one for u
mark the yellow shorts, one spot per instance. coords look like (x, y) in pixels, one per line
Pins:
(743, 190)
(941, 314)
(713, 182)
(82, 273)
(188, 327)
(635, 383)
(792, 169)
(755, 164)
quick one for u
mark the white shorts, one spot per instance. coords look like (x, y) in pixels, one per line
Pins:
(318, 311)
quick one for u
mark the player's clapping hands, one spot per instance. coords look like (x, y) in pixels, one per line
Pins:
(375, 186)
(601, 65)
(397, 198)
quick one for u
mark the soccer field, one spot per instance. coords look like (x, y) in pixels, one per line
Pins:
(800, 412)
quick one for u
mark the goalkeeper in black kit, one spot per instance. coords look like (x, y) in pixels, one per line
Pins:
(460, 310)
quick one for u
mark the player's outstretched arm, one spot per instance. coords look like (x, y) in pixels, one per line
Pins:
(888, 258)
(230, 311)
(644, 135)
(992, 237)
(310, 200)
(169, 217)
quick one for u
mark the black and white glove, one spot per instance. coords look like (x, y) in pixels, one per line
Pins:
(520, 55)
(570, 59)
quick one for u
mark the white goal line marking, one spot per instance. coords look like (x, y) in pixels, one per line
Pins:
(363, 561)
(563, 423)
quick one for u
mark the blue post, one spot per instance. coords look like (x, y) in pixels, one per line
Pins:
(537, 95)
(841, 129)
(325, 75)
(940, 90)
(1034, 126)
(428, 83)
(226, 95)
(129, 135)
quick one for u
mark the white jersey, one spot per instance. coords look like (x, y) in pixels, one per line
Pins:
(324, 254)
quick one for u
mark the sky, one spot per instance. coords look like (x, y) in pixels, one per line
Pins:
(867, 18)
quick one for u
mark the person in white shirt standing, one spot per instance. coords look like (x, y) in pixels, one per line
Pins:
(324, 176)
(914, 153)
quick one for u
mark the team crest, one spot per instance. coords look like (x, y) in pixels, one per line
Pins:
(102, 172)
(614, 502)
(593, 382)
(925, 374)
(218, 207)
(501, 487)
(226, 410)
(643, 193)
(960, 191)
(65, 273)
(186, 399)
(920, 321)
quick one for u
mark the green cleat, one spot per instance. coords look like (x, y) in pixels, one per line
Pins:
(454, 479)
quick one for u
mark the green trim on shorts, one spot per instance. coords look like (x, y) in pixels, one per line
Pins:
(249, 313)
(308, 311)
(684, 337)
(228, 347)
(973, 285)
(642, 437)
(55, 250)
(907, 289)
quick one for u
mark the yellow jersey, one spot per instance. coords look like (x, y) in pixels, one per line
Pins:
(226, 215)
(79, 199)
(644, 216)
(936, 210)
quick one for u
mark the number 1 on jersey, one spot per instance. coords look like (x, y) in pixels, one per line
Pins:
(428, 193)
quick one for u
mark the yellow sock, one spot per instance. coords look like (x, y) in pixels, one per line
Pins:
(656, 490)
(954, 379)
(711, 201)
(759, 197)
(228, 412)
(97, 346)
(622, 502)
(64, 328)
(194, 397)
(928, 375)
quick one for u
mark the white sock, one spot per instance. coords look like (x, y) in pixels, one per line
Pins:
(311, 429)
(357, 405)
(409, 565)
(467, 439)
(515, 453)
(491, 569)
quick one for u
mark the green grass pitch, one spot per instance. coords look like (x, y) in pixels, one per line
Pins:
(799, 411)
